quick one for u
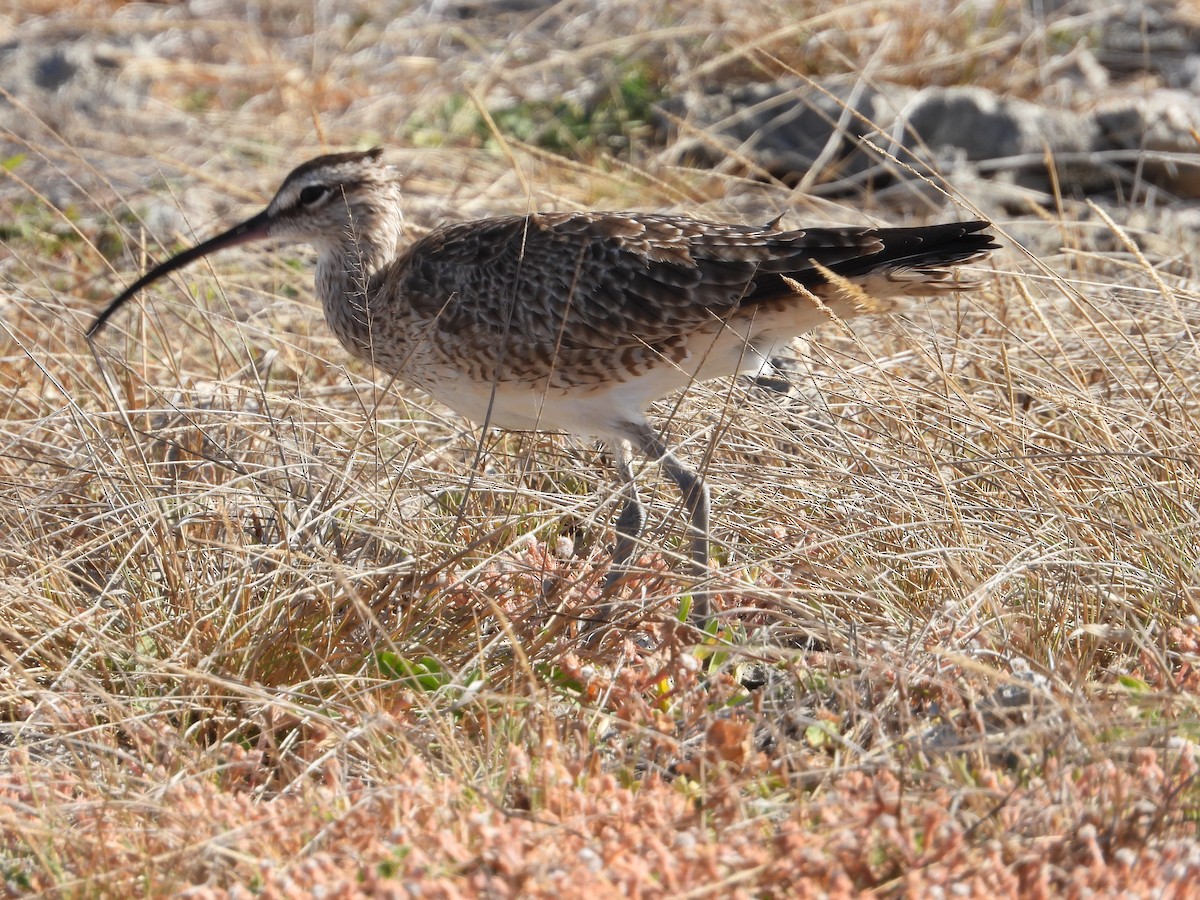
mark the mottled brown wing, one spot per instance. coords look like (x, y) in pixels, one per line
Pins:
(606, 280)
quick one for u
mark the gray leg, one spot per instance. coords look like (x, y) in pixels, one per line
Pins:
(695, 500)
(633, 515)
(629, 525)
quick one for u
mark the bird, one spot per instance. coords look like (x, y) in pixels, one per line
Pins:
(578, 321)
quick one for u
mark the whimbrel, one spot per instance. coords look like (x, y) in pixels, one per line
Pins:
(578, 321)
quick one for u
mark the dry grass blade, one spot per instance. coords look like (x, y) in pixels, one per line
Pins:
(270, 626)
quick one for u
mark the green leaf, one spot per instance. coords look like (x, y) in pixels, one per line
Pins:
(685, 608)
(1134, 685)
(426, 673)
(816, 735)
(563, 681)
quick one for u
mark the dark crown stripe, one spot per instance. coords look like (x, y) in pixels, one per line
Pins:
(336, 159)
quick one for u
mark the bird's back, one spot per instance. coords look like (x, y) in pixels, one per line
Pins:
(580, 296)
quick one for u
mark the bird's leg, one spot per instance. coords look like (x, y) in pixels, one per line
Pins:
(633, 514)
(696, 501)
(629, 524)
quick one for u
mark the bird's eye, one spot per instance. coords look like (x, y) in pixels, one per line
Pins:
(313, 193)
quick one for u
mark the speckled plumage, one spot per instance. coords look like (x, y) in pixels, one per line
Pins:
(578, 321)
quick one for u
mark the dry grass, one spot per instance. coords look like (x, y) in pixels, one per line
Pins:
(272, 628)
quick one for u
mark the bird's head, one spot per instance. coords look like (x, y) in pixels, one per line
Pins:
(328, 202)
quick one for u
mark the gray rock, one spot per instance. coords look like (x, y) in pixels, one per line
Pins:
(805, 138)
(1152, 37)
(1003, 136)
(53, 70)
(66, 79)
(783, 130)
(68, 85)
(1161, 127)
(471, 9)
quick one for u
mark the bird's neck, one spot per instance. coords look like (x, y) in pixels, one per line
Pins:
(348, 276)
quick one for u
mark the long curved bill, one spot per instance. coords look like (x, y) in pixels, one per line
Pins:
(251, 230)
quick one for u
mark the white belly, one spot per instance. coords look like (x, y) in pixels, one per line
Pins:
(600, 410)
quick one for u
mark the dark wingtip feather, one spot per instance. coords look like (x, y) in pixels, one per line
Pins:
(928, 245)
